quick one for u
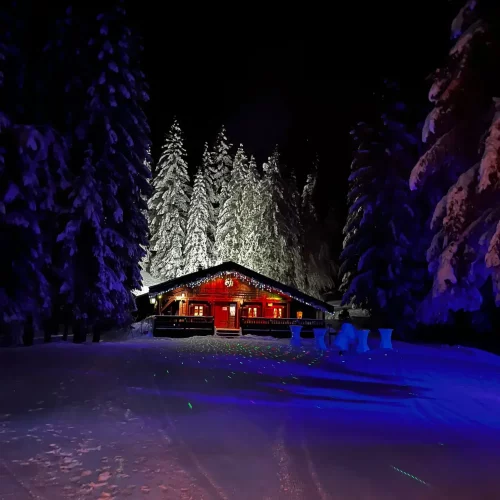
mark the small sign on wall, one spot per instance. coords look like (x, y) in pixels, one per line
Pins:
(224, 308)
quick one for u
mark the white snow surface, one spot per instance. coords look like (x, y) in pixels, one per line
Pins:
(207, 418)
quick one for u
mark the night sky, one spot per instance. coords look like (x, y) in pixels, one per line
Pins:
(300, 79)
(297, 78)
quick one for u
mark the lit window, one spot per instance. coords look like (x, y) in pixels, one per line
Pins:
(252, 312)
(198, 310)
(299, 314)
(278, 312)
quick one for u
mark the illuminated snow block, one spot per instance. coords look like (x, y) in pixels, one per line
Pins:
(342, 341)
(362, 341)
(319, 337)
(295, 340)
(385, 338)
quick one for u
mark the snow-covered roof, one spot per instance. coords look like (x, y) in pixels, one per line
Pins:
(147, 282)
(256, 279)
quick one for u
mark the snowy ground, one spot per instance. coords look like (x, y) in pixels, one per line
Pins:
(206, 418)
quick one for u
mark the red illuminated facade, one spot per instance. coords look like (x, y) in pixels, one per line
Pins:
(227, 299)
(228, 293)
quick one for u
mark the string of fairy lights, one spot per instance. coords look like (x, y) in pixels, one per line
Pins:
(247, 279)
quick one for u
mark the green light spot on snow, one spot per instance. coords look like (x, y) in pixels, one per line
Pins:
(190, 406)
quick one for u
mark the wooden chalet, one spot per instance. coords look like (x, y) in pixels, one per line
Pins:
(232, 299)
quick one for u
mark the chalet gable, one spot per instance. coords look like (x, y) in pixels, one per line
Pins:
(222, 275)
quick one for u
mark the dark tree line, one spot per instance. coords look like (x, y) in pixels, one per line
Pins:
(73, 177)
(422, 240)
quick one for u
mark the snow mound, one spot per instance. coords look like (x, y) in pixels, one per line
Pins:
(134, 331)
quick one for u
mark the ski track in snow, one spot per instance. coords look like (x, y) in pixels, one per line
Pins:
(247, 419)
(312, 472)
(289, 484)
(219, 491)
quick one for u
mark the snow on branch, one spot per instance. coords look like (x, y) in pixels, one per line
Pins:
(459, 23)
(459, 202)
(449, 258)
(489, 170)
(435, 158)
(465, 40)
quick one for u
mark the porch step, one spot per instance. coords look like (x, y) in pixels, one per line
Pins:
(227, 332)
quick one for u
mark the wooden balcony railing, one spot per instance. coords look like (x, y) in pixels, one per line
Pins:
(192, 325)
(278, 324)
(188, 324)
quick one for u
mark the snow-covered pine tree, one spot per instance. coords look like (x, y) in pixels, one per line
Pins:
(272, 256)
(380, 218)
(295, 233)
(168, 208)
(222, 163)
(208, 170)
(318, 263)
(309, 222)
(363, 175)
(32, 170)
(251, 217)
(411, 275)
(228, 232)
(309, 213)
(261, 242)
(462, 161)
(197, 247)
(217, 164)
(105, 234)
(145, 262)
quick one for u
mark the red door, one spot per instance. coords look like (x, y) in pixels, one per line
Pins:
(221, 316)
(225, 315)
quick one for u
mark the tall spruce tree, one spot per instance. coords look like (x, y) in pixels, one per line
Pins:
(309, 213)
(197, 244)
(145, 260)
(32, 170)
(295, 232)
(228, 232)
(319, 267)
(106, 230)
(462, 163)
(251, 217)
(168, 208)
(377, 233)
(222, 163)
(273, 258)
(218, 167)
(209, 176)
